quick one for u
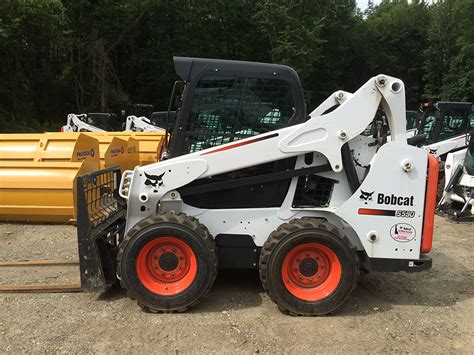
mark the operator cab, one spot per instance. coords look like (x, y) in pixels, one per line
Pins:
(444, 120)
(221, 101)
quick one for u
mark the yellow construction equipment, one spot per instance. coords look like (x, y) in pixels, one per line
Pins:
(123, 153)
(38, 171)
(150, 144)
(48, 147)
(40, 191)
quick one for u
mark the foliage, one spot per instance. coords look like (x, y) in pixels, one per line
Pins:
(61, 56)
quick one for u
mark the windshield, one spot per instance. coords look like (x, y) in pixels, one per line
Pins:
(226, 109)
(428, 121)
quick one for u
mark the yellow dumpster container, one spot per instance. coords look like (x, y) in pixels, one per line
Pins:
(123, 153)
(150, 144)
(40, 191)
(48, 147)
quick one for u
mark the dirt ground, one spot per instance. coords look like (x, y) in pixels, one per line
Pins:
(424, 312)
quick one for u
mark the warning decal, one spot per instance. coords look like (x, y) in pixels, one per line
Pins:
(402, 232)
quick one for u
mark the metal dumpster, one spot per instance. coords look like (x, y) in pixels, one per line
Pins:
(40, 191)
(48, 147)
(150, 144)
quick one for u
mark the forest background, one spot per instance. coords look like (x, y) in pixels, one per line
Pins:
(63, 56)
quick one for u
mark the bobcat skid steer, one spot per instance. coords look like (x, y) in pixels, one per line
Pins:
(305, 199)
(141, 124)
(446, 126)
(88, 122)
(457, 202)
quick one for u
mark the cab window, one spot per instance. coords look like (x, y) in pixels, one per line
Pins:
(471, 121)
(227, 109)
(454, 124)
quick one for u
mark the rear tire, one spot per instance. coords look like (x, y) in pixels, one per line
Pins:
(308, 268)
(167, 262)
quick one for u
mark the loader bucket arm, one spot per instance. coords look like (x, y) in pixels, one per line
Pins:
(100, 226)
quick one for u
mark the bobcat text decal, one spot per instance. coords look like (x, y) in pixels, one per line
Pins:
(383, 199)
(394, 200)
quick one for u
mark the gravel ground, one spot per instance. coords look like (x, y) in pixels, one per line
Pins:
(426, 312)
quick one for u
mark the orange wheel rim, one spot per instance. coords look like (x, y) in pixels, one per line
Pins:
(166, 266)
(311, 271)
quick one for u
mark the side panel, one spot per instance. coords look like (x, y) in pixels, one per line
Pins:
(387, 210)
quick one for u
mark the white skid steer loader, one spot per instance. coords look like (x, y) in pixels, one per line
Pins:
(305, 199)
(87, 122)
(457, 202)
(141, 124)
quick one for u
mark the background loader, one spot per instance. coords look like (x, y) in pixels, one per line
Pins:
(457, 201)
(446, 126)
(89, 122)
(141, 124)
(252, 181)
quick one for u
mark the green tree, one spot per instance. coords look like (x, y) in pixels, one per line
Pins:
(397, 31)
(32, 48)
(459, 80)
(439, 49)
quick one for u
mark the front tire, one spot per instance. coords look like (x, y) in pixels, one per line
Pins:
(167, 262)
(308, 268)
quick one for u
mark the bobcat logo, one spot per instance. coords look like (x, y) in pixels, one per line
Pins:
(433, 151)
(154, 181)
(366, 196)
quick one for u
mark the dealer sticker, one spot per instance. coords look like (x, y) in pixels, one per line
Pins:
(402, 232)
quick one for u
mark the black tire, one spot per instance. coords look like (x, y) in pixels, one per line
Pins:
(289, 236)
(184, 228)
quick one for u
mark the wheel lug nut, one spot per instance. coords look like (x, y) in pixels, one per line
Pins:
(319, 275)
(163, 250)
(162, 274)
(180, 258)
(310, 280)
(173, 250)
(155, 266)
(155, 257)
(172, 274)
